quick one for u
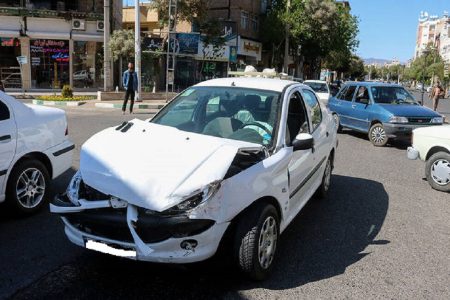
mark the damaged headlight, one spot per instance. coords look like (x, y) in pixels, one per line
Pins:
(194, 200)
(74, 188)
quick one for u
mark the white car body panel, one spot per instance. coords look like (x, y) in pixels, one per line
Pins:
(165, 165)
(33, 129)
(426, 138)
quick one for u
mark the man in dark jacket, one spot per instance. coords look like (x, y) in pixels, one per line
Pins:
(130, 84)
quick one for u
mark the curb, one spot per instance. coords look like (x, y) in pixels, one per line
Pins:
(58, 103)
(153, 107)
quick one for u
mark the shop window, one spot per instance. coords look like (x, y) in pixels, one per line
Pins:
(87, 64)
(49, 63)
(9, 3)
(9, 68)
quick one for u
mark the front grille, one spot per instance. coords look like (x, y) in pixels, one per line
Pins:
(419, 120)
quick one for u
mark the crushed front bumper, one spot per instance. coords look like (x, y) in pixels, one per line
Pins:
(127, 231)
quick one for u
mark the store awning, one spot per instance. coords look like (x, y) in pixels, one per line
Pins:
(87, 37)
(48, 35)
(9, 33)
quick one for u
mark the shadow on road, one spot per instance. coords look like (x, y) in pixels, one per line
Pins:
(326, 238)
(399, 144)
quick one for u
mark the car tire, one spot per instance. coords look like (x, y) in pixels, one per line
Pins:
(322, 191)
(377, 135)
(256, 238)
(28, 187)
(437, 171)
(338, 123)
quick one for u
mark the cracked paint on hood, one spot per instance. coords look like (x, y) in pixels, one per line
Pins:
(155, 166)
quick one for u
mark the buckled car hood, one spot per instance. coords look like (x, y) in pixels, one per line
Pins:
(154, 166)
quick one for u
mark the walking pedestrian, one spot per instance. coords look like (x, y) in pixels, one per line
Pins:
(437, 93)
(130, 84)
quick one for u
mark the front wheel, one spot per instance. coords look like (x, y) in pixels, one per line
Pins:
(28, 187)
(256, 240)
(378, 136)
(437, 170)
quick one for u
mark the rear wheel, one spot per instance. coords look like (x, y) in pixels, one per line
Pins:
(256, 238)
(437, 170)
(377, 135)
(324, 187)
(28, 187)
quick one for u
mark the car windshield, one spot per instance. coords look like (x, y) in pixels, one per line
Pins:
(318, 87)
(392, 95)
(234, 113)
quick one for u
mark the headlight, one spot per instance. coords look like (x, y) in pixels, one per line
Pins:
(395, 119)
(437, 120)
(74, 187)
(192, 201)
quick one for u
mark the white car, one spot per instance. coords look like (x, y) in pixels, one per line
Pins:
(228, 159)
(34, 148)
(432, 144)
(321, 88)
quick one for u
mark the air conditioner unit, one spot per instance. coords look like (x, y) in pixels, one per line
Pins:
(78, 24)
(100, 26)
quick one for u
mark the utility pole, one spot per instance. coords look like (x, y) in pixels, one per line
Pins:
(170, 59)
(137, 46)
(286, 42)
(106, 51)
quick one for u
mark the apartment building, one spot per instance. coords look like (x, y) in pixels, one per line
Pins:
(62, 41)
(433, 31)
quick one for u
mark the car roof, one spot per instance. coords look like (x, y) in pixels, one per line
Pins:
(268, 84)
(316, 81)
(369, 84)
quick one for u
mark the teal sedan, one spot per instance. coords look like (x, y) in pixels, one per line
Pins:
(383, 111)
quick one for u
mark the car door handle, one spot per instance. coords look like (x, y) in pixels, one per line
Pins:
(5, 138)
(328, 134)
(353, 105)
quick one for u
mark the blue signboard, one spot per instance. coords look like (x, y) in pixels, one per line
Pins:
(185, 43)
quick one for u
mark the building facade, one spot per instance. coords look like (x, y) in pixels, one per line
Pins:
(62, 42)
(433, 31)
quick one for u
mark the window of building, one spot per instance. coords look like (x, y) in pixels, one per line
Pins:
(244, 19)
(49, 63)
(87, 64)
(254, 23)
(9, 68)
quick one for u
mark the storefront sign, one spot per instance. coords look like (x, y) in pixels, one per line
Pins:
(233, 54)
(185, 43)
(250, 48)
(152, 44)
(22, 60)
(213, 53)
(9, 42)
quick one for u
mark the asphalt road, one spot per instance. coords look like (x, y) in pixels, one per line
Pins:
(382, 233)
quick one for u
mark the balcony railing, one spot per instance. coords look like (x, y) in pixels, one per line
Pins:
(44, 13)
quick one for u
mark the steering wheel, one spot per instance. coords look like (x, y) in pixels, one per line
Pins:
(267, 130)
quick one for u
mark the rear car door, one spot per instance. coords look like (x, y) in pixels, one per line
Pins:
(343, 105)
(361, 109)
(7, 141)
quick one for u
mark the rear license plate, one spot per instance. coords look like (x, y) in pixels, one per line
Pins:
(104, 248)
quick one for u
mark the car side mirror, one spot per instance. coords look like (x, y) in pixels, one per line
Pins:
(303, 141)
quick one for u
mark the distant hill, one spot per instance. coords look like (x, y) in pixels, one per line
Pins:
(376, 61)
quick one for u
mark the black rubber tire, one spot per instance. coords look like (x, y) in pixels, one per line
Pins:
(428, 167)
(11, 198)
(322, 191)
(338, 123)
(246, 240)
(376, 143)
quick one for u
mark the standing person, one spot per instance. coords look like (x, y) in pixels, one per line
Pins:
(2, 88)
(437, 93)
(130, 84)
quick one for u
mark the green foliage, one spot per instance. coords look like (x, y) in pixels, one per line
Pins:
(356, 68)
(67, 92)
(187, 10)
(424, 67)
(121, 44)
(64, 99)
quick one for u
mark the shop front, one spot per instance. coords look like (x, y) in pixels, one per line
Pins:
(9, 68)
(249, 52)
(87, 64)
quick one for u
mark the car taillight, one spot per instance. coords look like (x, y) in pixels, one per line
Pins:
(67, 130)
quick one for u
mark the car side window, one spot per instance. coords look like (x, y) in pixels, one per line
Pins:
(362, 95)
(297, 121)
(348, 95)
(4, 112)
(341, 93)
(313, 105)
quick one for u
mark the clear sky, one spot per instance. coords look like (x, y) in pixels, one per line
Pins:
(388, 28)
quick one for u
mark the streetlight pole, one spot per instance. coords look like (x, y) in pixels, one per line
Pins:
(137, 46)
(106, 50)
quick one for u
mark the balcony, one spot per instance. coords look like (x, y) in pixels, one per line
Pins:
(46, 13)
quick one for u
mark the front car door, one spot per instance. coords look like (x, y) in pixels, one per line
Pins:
(7, 143)
(361, 109)
(302, 161)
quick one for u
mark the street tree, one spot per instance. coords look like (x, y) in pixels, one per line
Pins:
(122, 44)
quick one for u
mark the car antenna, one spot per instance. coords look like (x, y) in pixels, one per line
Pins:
(233, 84)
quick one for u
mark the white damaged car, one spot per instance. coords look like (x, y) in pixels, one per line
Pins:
(233, 157)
